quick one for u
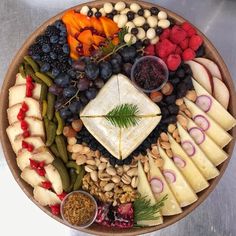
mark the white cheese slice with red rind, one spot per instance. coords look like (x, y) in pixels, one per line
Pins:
(217, 112)
(190, 171)
(182, 190)
(171, 206)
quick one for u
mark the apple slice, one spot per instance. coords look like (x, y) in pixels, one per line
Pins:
(202, 75)
(33, 111)
(210, 65)
(221, 92)
(45, 197)
(20, 79)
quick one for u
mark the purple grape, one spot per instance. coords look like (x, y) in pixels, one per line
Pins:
(83, 84)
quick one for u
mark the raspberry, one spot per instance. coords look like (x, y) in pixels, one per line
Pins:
(188, 54)
(150, 50)
(173, 61)
(165, 48)
(165, 34)
(186, 26)
(46, 184)
(191, 32)
(55, 209)
(195, 42)
(177, 34)
(178, 50)
(184, 44)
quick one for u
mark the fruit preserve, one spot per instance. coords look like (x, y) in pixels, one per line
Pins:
(149, 73)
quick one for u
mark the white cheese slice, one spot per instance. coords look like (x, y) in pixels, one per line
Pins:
(218, 155)
(208, 170)
(190, 171)
(217, 112)
(171, 206)
(183, 192)
(145, 190)
(20, 79)
(216, 132)
(120, 142)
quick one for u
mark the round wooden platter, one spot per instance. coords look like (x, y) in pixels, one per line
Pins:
(9, 81)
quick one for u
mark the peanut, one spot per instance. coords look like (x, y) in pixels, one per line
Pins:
(68, 131)
(77, 125)
(191, 95)
(171, 128)
(164, 137)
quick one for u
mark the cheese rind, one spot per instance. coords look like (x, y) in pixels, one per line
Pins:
(171, 206)
(216, 132)
(190, 171)
(183, 192)
(217, 112)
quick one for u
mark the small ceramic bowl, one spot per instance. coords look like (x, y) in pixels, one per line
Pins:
(162, 69)
(92, 218)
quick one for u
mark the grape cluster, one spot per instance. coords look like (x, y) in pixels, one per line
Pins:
(51, 50)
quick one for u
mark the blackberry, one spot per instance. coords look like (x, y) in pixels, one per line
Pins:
(46, 58)
(56, 64)
(35, 49)
(56, 48)
(52, 30)
(63, 58)
(42, 39)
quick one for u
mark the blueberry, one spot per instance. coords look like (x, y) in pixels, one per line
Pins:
(46, 48)
(146, 26)
(98, 14)
(45, 67)
(65, 113)
(170, 99)
(134, 31)
(75, 107)
(53, 55)
(54, 39)
(105, 70)
(181, 90)
(91, 93)
(139, 44)
(62, 80)
(66, 48)
(159, 30)
(90, 13)
(154, 11)
(69, 92)
(175, 81)
(55, 72)
(130, 15)
(180, 73)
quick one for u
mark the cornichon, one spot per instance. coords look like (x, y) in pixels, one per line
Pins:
(54, 150)
(50, 107)
(72, 164)
(73, 177)
(45, 104)
(29, 71)
(46, 79)
(22, 70)
(61, 147)
(46, 122)
(78, 182)
(59, 165)
(43, 92)
(32, 63)
(51, 133)
(60, 123)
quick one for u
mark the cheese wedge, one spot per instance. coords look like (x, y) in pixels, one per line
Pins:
(183, 192)
(208, 170)
(17, 93)
(23, 157)
(35, 126)
(31, 177)
(36, 141)
(120, 142)
(145, 190)
(171, 206)
(218, 155)
(45, 197)
(33, 111)
(189, 171)
(20, 79)
(217, 112)
(216, 132)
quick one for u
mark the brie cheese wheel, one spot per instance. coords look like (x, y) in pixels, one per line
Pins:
(171, 206)
(189, 170)
(145, 190)
(208, 170)
(217, 112)
(183, 192)
(120, 142)
(215, 131)
(218, 155)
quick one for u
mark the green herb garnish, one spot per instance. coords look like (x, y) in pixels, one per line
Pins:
(143, 210)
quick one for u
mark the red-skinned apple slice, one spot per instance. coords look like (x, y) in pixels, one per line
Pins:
(202, 75)
(210, 65)
(221, 92)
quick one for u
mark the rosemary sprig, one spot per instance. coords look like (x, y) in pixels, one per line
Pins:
(143, 210)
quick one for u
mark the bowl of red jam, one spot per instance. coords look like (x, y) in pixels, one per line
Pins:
(149, 74)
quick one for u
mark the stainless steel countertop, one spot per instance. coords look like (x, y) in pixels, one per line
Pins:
(216, 216)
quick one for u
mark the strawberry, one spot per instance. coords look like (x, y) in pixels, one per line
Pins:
(178, 50)
(195, 42)
(173, 61)
(177, 34)
(165, 48)
(184, 44)
(150, 50)
(165, 34)
(188, 54)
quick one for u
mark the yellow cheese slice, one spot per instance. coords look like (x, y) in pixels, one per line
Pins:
(171, 206)
(216, 132)
(208, 170)
(145, 190)
(217, 112)
(183, 192)
(218, 155)
(190, 171)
